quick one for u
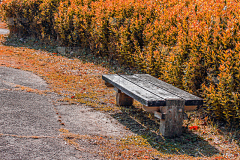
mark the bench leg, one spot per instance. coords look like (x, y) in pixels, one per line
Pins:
(123, 100)
(108, 84)
(171, 125)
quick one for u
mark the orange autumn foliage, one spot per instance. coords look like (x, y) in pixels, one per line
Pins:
(194, 45)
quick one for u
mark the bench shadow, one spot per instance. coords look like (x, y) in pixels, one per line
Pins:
(133, 118)
(138, 121)
(230, 133)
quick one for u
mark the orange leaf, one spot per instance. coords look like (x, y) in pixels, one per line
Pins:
(194, 127)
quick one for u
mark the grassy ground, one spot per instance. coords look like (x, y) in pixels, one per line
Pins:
(78, 79)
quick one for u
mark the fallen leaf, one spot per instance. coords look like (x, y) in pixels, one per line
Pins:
(194, 127)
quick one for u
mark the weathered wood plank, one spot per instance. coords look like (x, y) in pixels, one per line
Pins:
(151, 87)
(190, 108)
(159, 115)
(123, 100)
(134, 91)
(171, 124)
(151, 108)
(190, 100)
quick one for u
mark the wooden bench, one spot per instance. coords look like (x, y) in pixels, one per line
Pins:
(167, 102)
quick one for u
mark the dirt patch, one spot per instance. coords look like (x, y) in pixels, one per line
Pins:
(84, 120)
(32, 121)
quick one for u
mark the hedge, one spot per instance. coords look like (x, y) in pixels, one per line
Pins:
(194, 45)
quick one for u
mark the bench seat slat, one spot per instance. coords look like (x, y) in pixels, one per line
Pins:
(151, 87)
(189, 98)
(134, 91)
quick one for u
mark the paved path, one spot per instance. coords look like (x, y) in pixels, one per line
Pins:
(29, 122)
(25, 115)
(4, 31)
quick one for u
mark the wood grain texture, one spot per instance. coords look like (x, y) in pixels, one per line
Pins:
(171, 125)
(190, 100)
(149, 90)
(150, 109)
(143, 96)
(123, 100)
(154, 89)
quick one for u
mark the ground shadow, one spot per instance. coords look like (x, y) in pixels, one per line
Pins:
(30, 42)
(230, 132)
(138, 121)
(84, 54)
(133, 118)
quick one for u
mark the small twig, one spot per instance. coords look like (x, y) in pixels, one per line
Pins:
(33, 137)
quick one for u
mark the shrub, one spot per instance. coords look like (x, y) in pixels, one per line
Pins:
(191, 44)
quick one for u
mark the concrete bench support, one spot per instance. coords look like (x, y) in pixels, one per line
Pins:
(122, 99)
(171, 124)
